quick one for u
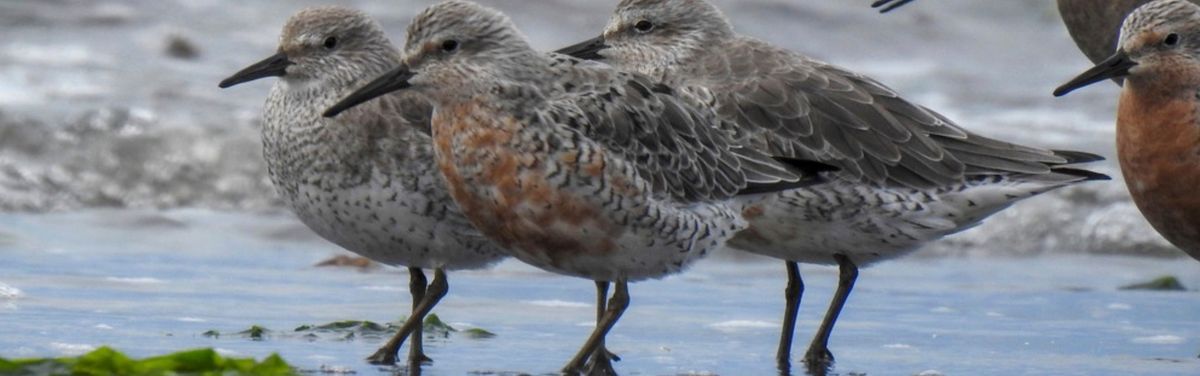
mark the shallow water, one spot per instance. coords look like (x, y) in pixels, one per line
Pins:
(153, 282)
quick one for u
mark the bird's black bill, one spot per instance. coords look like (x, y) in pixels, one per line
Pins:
(274, 66)
(889, 5)
(396, 79)
(587, 50)
(1117, 65)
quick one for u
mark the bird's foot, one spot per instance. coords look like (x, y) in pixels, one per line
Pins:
(818, 361)
(601, 363)
(419, 358)
(383, 357)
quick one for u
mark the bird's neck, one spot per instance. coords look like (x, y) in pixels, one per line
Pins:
(1157, 119)
(515, 90)
(1156, 127)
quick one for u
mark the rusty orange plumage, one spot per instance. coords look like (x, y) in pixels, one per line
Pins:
(1158, 146)
(523, 211)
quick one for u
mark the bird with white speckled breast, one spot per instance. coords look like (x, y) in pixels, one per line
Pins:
(366, 181)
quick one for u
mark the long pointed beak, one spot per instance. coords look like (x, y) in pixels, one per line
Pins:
(274, 66)
(888, 5)
(587, 50)
(1117, 65)
(396, 79)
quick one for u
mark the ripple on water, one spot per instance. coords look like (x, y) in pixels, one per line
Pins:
(557, 304)
(71, 349)
(1164, 339)
(136, 280)
(733, 326)
(9, 293)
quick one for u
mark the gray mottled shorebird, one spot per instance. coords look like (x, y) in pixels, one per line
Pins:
(577, 168)
(366, 181)
(908, 175)
(1158, 125)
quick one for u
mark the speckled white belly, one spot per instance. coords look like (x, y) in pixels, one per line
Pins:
(865, 223)
(394, 226)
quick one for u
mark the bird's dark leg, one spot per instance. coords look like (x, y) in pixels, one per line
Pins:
(616, 307)
(433, 294)
(417, 285)
(792, 295)
(601, 361)
(818, 357)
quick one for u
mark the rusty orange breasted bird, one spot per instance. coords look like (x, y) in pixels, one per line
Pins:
(1158, 125)
(576, 167)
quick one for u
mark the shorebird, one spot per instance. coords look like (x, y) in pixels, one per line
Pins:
(366, 181)
(908, 175)
(577, 168)
(1158, 128)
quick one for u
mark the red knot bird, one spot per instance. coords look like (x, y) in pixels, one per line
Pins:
(1158, 128)
(908, 175)
(577, 168)
(366, 181)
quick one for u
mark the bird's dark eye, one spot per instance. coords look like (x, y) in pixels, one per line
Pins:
(1172, 40)
(331, 43)
(450, 45)
(644, 26)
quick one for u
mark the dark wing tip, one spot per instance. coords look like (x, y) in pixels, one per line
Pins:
(761, 188)
(810, 174)
(806, 167)
(1085, 174)
(1076, 157)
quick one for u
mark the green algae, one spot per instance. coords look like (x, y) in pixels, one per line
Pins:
(347, 325)
(434, 326)
(477, 333)
(107, 361)
(1164, 283)
(256, 333)
(349, 330)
